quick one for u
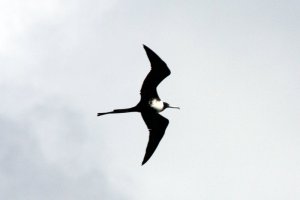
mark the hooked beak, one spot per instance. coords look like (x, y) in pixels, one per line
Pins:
(174, 107)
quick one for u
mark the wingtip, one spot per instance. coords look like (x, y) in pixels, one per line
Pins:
(144, 162)
(146, 158)
(145, 47)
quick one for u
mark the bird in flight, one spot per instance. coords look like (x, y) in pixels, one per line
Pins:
(150, 104)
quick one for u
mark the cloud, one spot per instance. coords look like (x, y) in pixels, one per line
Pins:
(234, 73)
(43, 157)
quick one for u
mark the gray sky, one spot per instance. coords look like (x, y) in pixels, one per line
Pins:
(235, 74)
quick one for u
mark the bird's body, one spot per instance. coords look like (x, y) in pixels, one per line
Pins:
(156, 104)
(150, 104)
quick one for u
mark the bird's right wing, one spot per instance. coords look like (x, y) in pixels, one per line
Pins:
(159, 71)
(157, 126)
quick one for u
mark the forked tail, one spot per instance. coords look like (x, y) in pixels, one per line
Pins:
(126, 110)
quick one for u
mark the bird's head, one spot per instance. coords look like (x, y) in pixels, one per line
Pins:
(166, 105)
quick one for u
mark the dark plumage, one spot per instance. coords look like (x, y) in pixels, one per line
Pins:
(150, 103)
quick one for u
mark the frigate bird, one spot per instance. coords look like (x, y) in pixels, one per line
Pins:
(150, 104)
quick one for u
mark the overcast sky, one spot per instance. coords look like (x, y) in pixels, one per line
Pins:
(235, 74)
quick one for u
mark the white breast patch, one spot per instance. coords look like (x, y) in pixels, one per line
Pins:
(157, 104)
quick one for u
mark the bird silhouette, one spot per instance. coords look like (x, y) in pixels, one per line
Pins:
(150, 104)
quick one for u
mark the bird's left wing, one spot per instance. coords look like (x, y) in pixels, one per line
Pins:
(157, 126)
(159, 71)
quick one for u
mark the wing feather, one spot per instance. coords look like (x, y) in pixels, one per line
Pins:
(159, 71)
(157, 126)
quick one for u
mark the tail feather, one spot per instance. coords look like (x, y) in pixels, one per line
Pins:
(133, 109)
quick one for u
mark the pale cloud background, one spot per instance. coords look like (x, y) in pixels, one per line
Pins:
(235, 74)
